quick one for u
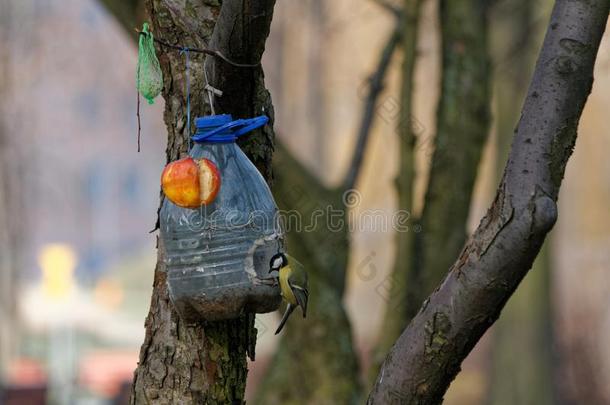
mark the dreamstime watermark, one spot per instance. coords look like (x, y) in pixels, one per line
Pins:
(387, 109)
(329, 217)
(368, 272)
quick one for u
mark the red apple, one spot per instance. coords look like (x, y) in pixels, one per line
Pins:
(190, 183)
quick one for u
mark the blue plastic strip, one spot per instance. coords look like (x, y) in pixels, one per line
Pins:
(252, 124)
(224, 128)
(212, 121)
(230, 131)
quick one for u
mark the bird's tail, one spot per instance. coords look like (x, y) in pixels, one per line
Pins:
(289, 310)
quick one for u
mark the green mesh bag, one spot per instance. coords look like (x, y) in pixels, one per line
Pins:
(149, 78)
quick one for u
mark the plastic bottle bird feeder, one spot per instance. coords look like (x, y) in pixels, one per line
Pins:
(219, 242)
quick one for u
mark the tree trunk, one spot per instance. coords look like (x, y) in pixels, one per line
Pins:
(315, 361)
(316, 99)
(206, 362)
(522, 358)
(462, 127)
(395, 317)
(463, 119)
(428, 354)
(322, 345)
(7, 281)
(13, 219)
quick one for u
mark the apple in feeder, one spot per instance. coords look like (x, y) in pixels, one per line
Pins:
(191, 183)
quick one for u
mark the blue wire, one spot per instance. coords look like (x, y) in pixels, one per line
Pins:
(185, 51)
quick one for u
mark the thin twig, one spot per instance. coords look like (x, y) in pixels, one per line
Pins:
(212, 52)
(389, 6)
(139, 121)
(368, 114)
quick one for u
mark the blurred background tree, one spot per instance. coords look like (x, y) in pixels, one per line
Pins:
(13, 220)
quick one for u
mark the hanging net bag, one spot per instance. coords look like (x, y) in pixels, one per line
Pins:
(149, 78)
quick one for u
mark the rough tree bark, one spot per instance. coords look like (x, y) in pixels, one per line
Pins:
(428, 354)
(395, 317)
(206, 362)
(462, 126)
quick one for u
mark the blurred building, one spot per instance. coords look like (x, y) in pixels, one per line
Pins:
(71, 175)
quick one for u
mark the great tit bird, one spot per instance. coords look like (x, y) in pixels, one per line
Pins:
(293, 284)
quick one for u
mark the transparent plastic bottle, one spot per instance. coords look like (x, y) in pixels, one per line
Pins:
(217, 256)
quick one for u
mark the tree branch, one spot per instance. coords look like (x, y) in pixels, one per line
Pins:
(395, 317)
(240, 34)
(522, 360)
(389, 6)
(210, 52)
(322, 345)
(375, 87)
(428, 354)
(299, 191)
(129, 13)
(463, 119)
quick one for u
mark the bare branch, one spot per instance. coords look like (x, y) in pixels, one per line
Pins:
(523, 365)
(206, 51)
(463, 119)
(322, 346)
(428, 354)
(389, 6)
(368, 113)
(395, 318)
(127, 12)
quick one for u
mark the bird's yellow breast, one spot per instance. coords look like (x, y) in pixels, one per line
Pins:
(287, 293)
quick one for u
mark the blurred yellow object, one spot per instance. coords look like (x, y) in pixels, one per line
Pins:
(57, 262)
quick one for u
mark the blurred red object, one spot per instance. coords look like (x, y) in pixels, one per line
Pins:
(26, 372)
(105, 372)
(26, 383)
